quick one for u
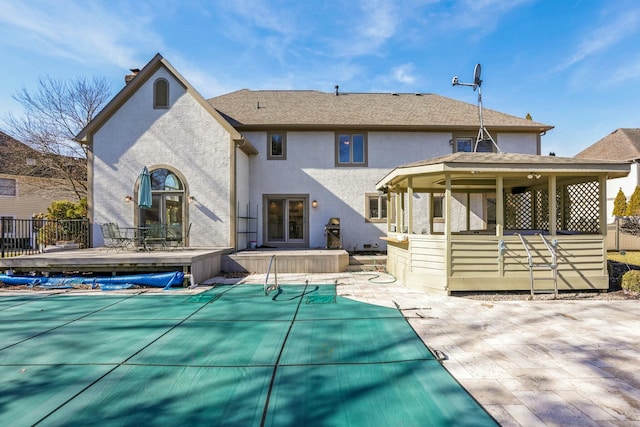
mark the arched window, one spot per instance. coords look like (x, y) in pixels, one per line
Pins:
(168, 209)
(161, 93)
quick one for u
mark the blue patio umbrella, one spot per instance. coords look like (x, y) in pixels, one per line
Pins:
(144, 191)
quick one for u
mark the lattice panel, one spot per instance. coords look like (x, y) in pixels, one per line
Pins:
(541, 210)
(581, 208)
(518, 211)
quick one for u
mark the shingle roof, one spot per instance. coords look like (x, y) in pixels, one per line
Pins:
(506, 159)
(246, 109)
(479, 166)
(621, 144)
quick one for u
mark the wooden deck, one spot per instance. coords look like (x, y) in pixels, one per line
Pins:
(201, 263)
(289, 261)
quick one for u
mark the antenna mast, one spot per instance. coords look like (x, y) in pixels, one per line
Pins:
(477, 84)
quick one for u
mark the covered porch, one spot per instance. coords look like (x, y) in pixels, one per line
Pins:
(499, 222)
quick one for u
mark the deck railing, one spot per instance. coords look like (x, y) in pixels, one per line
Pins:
(29, 236)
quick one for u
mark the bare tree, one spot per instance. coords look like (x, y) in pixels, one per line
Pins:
(53, 115)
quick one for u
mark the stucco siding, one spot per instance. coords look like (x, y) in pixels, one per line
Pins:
(183, 137)
(525, 143)
(340, 191)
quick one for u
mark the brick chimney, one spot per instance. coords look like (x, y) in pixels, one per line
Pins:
(129, 77)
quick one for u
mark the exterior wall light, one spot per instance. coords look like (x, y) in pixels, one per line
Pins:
(128, 198)
(314, 204)
(192, 199)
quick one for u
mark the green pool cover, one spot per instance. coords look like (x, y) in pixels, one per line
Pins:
(231, 356)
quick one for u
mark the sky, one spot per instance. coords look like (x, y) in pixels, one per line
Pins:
(571, 64)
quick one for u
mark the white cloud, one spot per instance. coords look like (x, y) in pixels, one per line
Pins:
(84, 32)
(375, 23)
(630, 70)
(601, 38)
(404, 73)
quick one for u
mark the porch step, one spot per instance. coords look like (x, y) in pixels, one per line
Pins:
(367, 262)
(289, 261)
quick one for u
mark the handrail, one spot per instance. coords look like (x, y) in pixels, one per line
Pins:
(273, 261)
(526, 248)
(550, 249)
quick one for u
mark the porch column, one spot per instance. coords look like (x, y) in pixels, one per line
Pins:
(388, 203)
(410, 204)
(553, 217)
(499, 206)
(447, 226)
(602, 190)
(399, 211)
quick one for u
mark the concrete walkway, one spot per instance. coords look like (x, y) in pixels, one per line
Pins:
(529, 363)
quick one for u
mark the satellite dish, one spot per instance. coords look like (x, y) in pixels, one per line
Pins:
(477, 83)
(476, 76)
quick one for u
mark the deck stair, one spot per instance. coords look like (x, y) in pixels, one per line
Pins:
(542, 271)
(367, 262)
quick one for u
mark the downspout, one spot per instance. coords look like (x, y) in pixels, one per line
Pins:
(233, 202)
(90, 197)
(410, 205)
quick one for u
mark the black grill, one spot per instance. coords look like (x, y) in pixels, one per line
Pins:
(332, 231)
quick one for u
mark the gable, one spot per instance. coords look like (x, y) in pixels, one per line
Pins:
(158, 66)
(621, 144)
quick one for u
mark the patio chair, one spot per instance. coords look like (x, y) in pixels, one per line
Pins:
(114, 238)
(175, 237)
(155, 236)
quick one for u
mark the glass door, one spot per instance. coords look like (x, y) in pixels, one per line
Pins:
(286, 221)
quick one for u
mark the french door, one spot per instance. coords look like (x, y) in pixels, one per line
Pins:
(286, 221)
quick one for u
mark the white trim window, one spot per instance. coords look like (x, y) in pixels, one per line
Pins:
(8, 187)
(376, 207)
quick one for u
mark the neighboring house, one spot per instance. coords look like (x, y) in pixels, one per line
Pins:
(623, 145)
(272, 167)
(27, 185)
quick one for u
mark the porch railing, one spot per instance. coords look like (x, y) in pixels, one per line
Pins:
(29, 236)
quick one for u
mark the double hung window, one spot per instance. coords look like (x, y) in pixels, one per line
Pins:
(351, 149)
(467, 144)
(376, 207)
(8, 187)
(276, 146)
